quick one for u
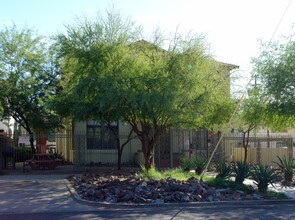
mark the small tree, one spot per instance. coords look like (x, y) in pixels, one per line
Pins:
(110, 75)
(91, 54)
(275, 71)
(27, 79)
(252, 115)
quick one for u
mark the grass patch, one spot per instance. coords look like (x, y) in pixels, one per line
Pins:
(178, 174)
(224, 183)
(151, 173)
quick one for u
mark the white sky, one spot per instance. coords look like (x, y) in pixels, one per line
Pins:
(232, 26)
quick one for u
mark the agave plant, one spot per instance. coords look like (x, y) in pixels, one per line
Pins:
(199, 164)
(242, 171)
(223, 170)
(263, 176)
(286, 166)
(187, 164)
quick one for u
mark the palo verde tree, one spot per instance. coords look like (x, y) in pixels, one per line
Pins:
(275, 71)
(177, 87)
(270, 104)
(91, 54)
(109, 75)
(28, 73)
(252, 115)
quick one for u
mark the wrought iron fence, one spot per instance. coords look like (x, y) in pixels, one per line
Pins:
(261, 149)
(82, 149)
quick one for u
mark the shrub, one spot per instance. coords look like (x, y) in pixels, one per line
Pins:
(286, 166)
(223, 170)
(151, 173)
(199, 164)
(242, 171)
(23, 153)
(263, 176)
(186, 164)
(60, 157)
(178, 174)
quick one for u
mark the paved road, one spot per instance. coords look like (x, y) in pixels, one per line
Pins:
(267, 212)
(47, 197)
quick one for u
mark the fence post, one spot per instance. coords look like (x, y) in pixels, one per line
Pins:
(258, 150)
(171, 149)
(290, 149)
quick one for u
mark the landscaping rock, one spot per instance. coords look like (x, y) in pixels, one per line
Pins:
(131, 189)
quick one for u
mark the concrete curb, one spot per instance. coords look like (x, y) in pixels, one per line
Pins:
(243, 203)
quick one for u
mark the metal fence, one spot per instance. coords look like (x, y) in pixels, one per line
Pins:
(12, 155)
(261, 149)
(96, 150)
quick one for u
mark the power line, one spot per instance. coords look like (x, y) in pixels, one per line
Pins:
(280, 20)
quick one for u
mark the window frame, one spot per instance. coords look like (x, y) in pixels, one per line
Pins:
(100, 136)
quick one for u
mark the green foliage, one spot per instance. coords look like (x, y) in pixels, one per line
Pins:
(263, 176)
(223, 170)
(225, 183)
(151, 173)
(286, 166)
(178, 174)
(28, 78)
(274, 70)
(242, 171)
(187, 164)
(110, 74)
(199, 163)
(253, 109)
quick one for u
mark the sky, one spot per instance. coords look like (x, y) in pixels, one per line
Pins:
(232, 27)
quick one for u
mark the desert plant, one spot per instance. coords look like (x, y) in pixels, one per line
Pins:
(178, 174)
(286, 166)
(199, 164)
(263, 176)
(223, 170)
(151, 173)
(242, 171)
(58, 156)
(186, 164)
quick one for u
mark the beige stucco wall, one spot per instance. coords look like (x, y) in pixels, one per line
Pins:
(64, 146)
(67, 142)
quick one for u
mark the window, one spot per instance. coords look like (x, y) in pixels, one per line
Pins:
(101, 136)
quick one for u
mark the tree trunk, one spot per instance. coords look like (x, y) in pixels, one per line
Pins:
(268, 142)
(32, 142)
(245, 154)
(148, 136)
(148, 144)
(120, 150)
(245, 144)
(119, 146)
(148, 161)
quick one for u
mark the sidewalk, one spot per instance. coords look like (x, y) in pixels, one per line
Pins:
(36, 193)
(49, 193)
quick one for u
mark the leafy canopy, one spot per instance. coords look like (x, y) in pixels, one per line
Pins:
(275, 71)
(28, 73)
(109, 74)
